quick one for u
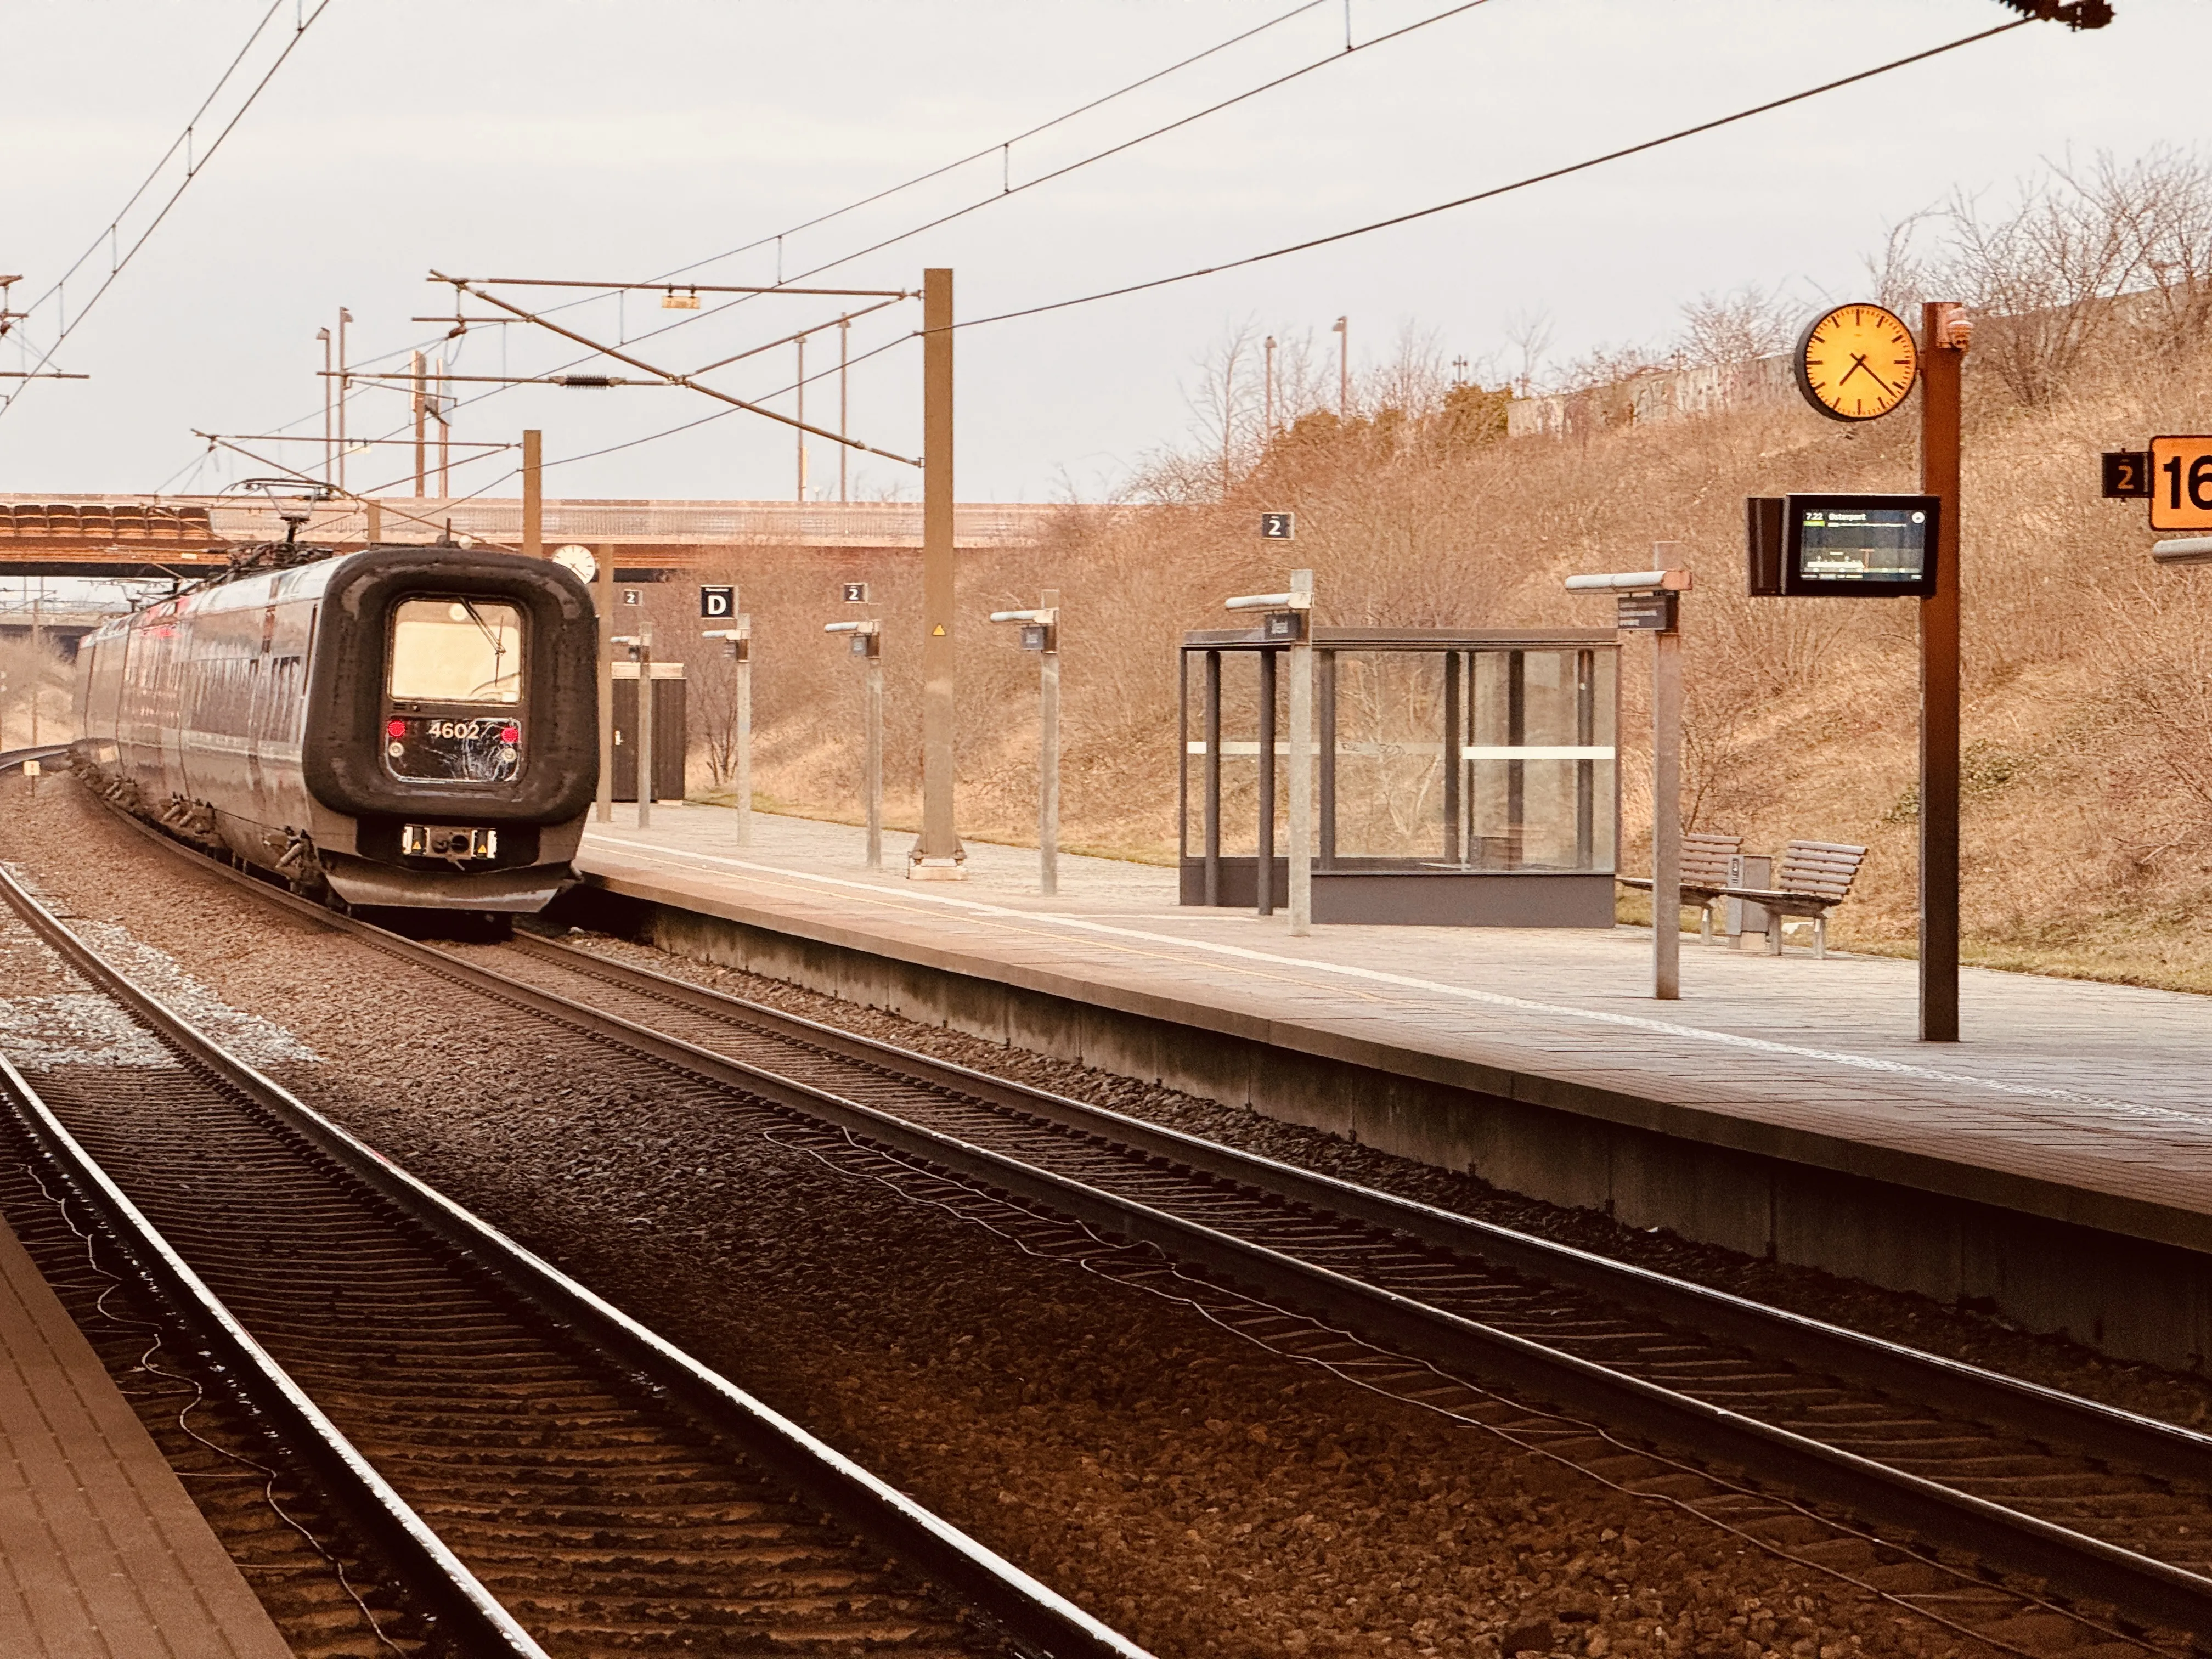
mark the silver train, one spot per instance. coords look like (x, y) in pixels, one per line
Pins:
(403, 727)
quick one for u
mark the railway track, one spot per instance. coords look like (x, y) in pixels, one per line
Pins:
(539, 1474)
(12, 758)
(2101, 1521)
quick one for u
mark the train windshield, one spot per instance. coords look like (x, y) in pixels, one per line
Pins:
(456, 651)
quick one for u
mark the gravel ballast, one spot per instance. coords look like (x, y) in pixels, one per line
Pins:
(1204, 1495)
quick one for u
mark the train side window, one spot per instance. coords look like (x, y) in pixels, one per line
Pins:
(456, 651)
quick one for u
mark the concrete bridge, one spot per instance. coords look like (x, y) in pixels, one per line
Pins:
(189, 535)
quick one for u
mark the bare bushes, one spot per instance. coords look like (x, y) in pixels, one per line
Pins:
(2115, 254)
(28, 671)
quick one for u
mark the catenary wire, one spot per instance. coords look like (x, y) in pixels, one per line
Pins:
(1126, 145)
(1571, 168)
(881, 195)
(711, 311)
(192, 172)
(1002, 145)
(1499, 190)
(182, 138)
(1422, 213)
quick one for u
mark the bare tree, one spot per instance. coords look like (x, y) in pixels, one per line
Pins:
(2038, 276)
(1227, 400)
(1898, 274)
(2163, 203)
(1529, 334)
(1729, 329)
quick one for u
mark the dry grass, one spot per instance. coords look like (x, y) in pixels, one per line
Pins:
(2089, 712)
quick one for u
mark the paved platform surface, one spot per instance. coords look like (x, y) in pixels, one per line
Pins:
(103, 1555)
(2081, 1101)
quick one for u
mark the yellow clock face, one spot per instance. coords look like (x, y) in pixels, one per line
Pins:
(1856, 362)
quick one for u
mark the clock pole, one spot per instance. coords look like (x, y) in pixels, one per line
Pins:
(1944, 331)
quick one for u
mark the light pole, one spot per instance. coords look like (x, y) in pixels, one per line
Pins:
(1288, 621)
(1040, 634)
(323, 335)
(740, 635)
(1649, 601)
(1342, 330)
(938, 855)
(868, 644)
(1268, 393)
(344, 316)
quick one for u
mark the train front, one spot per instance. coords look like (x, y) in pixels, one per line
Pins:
(452, 718)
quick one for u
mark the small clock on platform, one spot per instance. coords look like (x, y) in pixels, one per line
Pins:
(1856, 362)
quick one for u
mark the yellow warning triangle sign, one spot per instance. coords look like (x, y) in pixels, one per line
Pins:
(938, 632)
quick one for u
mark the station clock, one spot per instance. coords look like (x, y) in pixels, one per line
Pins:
(1856, 362)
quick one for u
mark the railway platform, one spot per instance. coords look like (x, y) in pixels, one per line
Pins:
(102, 1553)
(2057, 1166)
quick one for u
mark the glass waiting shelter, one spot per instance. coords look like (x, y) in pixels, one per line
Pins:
(1466, 777)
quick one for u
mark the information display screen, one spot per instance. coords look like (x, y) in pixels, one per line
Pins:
(1861, 546)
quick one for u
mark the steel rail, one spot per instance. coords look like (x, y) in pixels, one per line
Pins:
(460, 1607)
(2030, 1408)
(1035, 1617)
(2153, 1591)
(12, 758)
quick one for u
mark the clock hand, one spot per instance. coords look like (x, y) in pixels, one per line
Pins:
(1859, 363)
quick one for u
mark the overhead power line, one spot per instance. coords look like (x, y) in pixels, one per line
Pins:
(1422, 213)
(1005, 146)
(1496, 190)
(1111, 150)
(196, 160)
(784, 284)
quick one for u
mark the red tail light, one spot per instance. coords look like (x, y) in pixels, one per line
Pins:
(395, 728)
(511, 734)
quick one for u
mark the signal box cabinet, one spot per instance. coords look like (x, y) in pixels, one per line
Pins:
(669, 738)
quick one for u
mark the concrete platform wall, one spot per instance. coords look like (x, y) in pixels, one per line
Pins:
(2135, 1297)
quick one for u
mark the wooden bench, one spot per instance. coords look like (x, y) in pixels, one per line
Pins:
(1815, 877)
(1704, 875)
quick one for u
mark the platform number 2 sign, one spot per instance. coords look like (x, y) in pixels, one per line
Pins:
(1278, 526)
(2181, 483)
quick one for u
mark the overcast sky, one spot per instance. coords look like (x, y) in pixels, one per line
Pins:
(583, 138)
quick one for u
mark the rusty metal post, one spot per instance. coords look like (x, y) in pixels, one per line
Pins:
(1943, 350)
(533, 493)
(417, 368)
(440, 401)
(644, 723)
(606, 805)
(872, 761)
(1667, 816)
(1298, 773)
(1048, 751)
(938, 855)
(741, 779)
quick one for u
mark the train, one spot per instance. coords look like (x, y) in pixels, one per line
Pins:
(403, 727)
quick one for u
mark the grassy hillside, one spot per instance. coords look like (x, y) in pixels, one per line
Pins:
(2089, 711)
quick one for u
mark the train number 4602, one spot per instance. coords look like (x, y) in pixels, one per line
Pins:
(2181, 483)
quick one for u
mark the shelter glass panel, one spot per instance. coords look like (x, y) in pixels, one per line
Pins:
(1391, 750)
(1542, 760)
(1242, 675)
